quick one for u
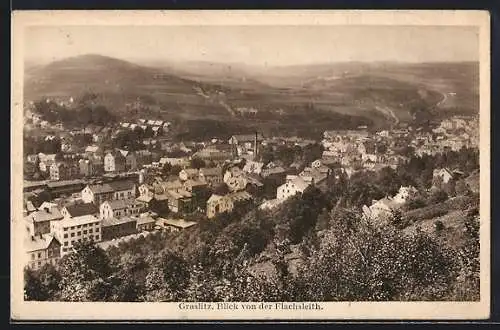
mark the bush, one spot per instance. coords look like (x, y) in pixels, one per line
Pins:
(438, 225)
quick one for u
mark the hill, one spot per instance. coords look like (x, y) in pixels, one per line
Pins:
(290, 100)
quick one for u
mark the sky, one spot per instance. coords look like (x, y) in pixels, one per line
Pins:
(256, 45)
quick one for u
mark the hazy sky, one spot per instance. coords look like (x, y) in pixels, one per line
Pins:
(257, 45)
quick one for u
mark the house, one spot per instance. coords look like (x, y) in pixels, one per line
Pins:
(118, 227)
(235, 179)
(92, 150)
(180, 161)
(218, 204)
(443, 174)
(212, 154)
(116, 190)
(292, 186)
(97, 194)
(88, 167)
(145, 223)
(199, 190)
(41, 249)
(315, 175)
(72, 230)
(114, 162)
(382, 209)
(79, 209)
(253, 167)
(32, 158)
(39, 222)
(143, 157)
(179, 201)
(246, 143)
(274, 171)
(176, 224)
(188, 174)
(404, 194)
(212, 176)
(63, 171)
(46, 161)
(120, 208)
(64, 187)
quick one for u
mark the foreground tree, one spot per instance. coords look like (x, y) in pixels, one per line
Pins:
(86, 274)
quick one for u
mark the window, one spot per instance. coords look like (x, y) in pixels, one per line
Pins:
(65, 235)
(65, 229)
(39, 263)
(84, 225)
(97, 237)
(79, 226)
(79, 240)
(90, 231)
(65, 249)
(97, 230)
(72, 234)
(84, 232)
(32, 256)
(39, 255)
(65, 243)
(79, 233)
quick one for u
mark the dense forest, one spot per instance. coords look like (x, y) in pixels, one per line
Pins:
(315, 247)
(86, 110)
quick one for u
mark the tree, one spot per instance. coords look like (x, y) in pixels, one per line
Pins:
(33, 288)
(86, 274)
(166, 170)
(50, 279)
(396, 219)
(438, 196)
(168, 278)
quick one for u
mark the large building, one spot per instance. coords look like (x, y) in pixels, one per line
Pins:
(63, 171)
(39, 222)
(120, 208)
(41, 249)
(217, 204)
(79, 209)
(118, 227)
(100, 193)
(114, 162)
(72, 230)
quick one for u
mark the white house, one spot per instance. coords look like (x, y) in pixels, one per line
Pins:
(291, 187)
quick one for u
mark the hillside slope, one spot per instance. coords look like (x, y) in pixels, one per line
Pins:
(290, 99)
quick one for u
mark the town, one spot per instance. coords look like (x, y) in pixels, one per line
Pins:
(119, 181)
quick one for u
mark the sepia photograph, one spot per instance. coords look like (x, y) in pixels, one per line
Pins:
(250, 165)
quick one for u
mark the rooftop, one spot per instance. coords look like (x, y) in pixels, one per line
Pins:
(43, 215)
(56, 184)
(179, 223)
(144, 220)
(37, 243)
(121, 204)
(78, 221)
(117, 221)
(79, 209)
